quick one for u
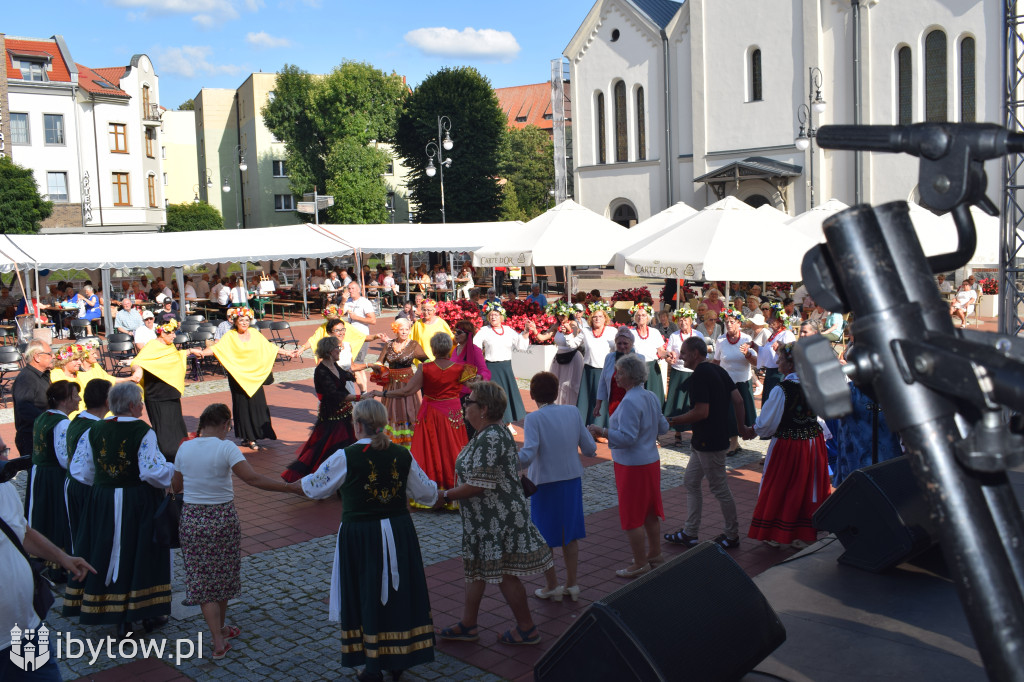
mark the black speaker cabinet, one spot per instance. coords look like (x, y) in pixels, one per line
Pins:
(880, 516)
(697, 617)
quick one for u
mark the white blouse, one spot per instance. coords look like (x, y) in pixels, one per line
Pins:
(498, 347)
(766, 357)
(564, 343)
(675, 345)
(732, 361)
(648, 347)
(597, 346)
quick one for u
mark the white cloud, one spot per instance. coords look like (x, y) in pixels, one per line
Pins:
(253, 5)
(206, 13)
(265, 40)
(190, 61)
(484, 43)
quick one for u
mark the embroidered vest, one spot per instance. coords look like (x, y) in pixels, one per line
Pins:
(115, 452)
(798, 420)
(43, 454)
(79, 425)
(374, 486)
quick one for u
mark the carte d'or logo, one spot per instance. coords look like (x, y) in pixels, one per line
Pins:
(656, 270)
(30, 649)
(522, 258)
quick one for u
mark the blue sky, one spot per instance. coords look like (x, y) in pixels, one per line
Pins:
(217, 43)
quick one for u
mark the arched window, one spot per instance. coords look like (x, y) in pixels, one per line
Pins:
(601, 138)
(641, 126)
(967, 113)
(625, 215)
(755, 75)
(904, 87)
(935, 77)
(621, 146)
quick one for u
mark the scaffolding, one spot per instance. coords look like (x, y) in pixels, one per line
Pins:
(1011, 252)
(558, 128)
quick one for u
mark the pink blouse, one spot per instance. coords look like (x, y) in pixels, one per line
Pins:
(472, 355)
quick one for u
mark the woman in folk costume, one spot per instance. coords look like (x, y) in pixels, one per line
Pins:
(567, 364)
(45, 506)
(67, 365)
(128, 476)
(393, 370)
(76, 493)
(676, 402)
(497, 341)
(424, 329)
(795, 479)
(353, 337)
(248, 358)
(163, 380)
(648, 342)
(598, 342)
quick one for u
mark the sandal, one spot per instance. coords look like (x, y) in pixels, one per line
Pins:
(461, 633)
(681, 538)
(217, 655)
(525, 637)
(230, 631)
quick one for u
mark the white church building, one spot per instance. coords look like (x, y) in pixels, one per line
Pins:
(703, 99)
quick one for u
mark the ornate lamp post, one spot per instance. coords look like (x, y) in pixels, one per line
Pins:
(444, 125)
(805, 115)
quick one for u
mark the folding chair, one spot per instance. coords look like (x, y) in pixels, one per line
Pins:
(120, 354)
(10, 365)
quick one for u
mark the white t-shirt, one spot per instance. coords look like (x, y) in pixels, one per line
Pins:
(202, 289)
(363, 308)
(16, 603)
(239, 295)
(766, 357)
(675, 345)
(732, 361)
(205, 466)
(190, 291)
(761, 336)
(223, 295)
(144, 335)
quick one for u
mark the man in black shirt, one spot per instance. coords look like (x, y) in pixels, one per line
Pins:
(29, 392)
(710, 390)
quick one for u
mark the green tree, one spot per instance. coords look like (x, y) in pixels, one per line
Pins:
(527, 162)
(472, 193)
(190, 217)
(187, 105)
(322, 121)
(21, 208)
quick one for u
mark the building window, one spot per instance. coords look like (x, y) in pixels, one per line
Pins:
(151, 186)
(150, 142)
(904, 87)
(163, 152)
(122, 196)
(935, 77)
(641, 126)
(279, 170)
(601, 138)
(621, 148)
(32, 70)
(118, 138)
(967, 93)
(755, 76)
(390, 170)
(53, 127)
(284, 202)
(57, 186)
(19, 129)
(145, 101)
(165, 179)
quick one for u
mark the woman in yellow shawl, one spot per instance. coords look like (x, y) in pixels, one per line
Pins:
(161, 368)
(67, 366)
(353, 336)
(248, 358)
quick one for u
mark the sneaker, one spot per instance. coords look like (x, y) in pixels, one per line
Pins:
(727, 542)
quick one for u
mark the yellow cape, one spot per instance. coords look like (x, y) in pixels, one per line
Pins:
(247, 362)
(421, 334)
(165, 362)
(353, 336)
(57, 374)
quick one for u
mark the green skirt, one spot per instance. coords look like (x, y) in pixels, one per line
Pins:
(143, 586)
(654, 383)
(772, 378)
(48, 514)
(76, 494)
(747, 394)
(587, 400)
(501, 374)
(678, 401)
(392, 636)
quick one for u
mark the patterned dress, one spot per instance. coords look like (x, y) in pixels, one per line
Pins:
(498, 537)
(401, 411)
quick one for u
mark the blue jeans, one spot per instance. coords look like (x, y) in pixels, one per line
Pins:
(12, 673)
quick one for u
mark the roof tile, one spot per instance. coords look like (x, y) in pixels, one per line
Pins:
(93, 81)
(59, 70)
(525, 105)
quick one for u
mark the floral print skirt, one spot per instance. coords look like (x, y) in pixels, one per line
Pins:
(211, 546)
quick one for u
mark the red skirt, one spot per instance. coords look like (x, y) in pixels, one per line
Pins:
(794, 485)
(439, 438)
(327, 438)
(639, 489)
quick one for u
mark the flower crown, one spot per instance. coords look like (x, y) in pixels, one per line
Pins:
(777, 308)
(642, 306)
(491, 306)
(84, 350)
(331, 311)
(787, 349)
(69, 352)
(599, 306)
(396, 325)
(680, 313)
(235, 313)
(173, 324)
(559, 308)
(733, 313)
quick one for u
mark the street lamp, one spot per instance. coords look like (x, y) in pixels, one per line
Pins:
(805, 116)
(239, 151)
(195, 189)
(444, 125)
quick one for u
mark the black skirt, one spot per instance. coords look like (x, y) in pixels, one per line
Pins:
(251, 415)
(166, 419)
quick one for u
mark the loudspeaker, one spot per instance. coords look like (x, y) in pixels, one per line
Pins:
(880, 515)
(697, 617)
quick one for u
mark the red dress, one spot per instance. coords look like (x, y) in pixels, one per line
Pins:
(440, 432)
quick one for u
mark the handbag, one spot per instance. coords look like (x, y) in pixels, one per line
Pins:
(565, 358)
(165, 522)
(42, 594)
(529, 487)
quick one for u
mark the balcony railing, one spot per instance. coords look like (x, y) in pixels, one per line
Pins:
(151, 113)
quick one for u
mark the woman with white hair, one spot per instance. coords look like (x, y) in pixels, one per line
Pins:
(497, 340)
(598, 342)
(609, 393)
(567, 364)
(677, 402)
(394, 369)
(649, 343)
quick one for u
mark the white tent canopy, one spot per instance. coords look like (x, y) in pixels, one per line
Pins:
(809, 222)
(568, 234)
(410, 238)
(644, 231)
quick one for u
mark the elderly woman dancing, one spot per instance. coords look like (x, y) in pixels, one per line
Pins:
(649, 343)
(567, 365)
(499, 542)
(398, 356)
(378, 588)
(632, 434)
(598, 342)
(497, 341)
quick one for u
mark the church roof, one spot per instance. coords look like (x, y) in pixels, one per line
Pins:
(660, 11)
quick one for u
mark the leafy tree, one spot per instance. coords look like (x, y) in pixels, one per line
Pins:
(472, 193)
(510, 208)
(22, 209)
(527, 162)
(187, 105)
(190, 217)
(322, 120)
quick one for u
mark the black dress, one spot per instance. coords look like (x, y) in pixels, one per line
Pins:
(333, 428)
(163, 406)
(251, 413)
